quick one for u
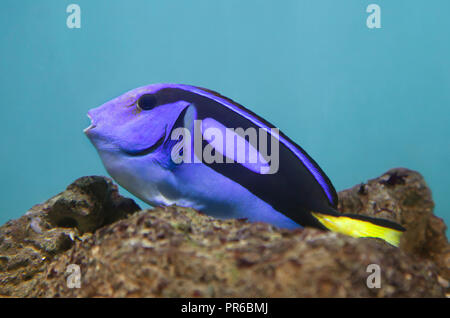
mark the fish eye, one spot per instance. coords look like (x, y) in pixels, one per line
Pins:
(146, 102)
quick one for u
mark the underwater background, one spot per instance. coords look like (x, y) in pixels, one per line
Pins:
(360, 101)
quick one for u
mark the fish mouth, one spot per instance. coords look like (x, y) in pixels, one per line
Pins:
(92, 126)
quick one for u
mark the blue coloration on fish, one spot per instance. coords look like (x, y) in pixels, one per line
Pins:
(132, 134)
(329, 190)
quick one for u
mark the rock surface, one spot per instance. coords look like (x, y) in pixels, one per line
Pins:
(122, 251)
(402, 195)
(29, 244)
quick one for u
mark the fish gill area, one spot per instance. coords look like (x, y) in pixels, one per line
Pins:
(123, 251)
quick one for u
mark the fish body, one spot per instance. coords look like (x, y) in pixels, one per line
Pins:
(216, 164)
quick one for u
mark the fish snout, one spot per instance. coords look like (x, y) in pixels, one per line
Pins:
(87, 130)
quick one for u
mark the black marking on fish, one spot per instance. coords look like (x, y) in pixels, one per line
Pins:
(150, 149)
(293, 190)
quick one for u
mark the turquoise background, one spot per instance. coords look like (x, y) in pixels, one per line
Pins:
(359, 100)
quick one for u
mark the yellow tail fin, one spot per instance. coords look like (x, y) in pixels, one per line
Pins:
(359, 227)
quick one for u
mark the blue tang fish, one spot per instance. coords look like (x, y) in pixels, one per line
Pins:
(152, 140)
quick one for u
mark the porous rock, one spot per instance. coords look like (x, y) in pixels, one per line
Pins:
(29, 244)
(180, 252)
